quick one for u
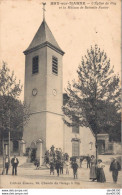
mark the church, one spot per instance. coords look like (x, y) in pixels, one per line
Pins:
(44, 93)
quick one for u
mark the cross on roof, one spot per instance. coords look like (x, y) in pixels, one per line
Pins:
(44, 10)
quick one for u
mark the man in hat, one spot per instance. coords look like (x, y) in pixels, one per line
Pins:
(14, 163)
(115, 167)
(7, 162)
(88, 158)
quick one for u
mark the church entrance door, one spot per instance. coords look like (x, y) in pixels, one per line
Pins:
(101, 146)
(33, 154)
(15, 146)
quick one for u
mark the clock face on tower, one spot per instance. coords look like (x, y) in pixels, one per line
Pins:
(54, 92)
(34, 92)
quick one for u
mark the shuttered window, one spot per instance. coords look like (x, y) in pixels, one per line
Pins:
(35, 65)
(75, 148)
(54, 65)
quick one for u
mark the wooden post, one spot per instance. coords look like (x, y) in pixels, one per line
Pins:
(3, 155)
(96, 148)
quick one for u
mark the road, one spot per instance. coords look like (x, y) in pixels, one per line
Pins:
(29, 177)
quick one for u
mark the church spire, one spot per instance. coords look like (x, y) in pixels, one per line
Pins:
(43, 37)
(44, 11)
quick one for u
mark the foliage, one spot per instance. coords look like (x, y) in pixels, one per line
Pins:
(13, 113)
(94, 100)
(115, 130)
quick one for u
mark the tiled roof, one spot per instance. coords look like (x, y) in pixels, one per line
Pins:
(43, 35)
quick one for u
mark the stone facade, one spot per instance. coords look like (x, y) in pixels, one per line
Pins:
(102, 142)
(46, 122)
(46, 114)
(106, 147)
(86, 140)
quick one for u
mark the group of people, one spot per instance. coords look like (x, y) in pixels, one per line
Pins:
(54, 155)
(57, 160)
(59, 166)
(14, 163)
(97, 170)
(96, 167)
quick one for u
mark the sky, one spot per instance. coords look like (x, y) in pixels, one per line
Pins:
(74, 29)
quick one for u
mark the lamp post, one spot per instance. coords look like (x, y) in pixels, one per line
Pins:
(96, 147)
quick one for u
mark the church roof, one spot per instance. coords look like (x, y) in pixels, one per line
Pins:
(43, 37)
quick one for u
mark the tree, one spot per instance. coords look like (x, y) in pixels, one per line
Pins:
(13, 113)
(115, 130)
(94, 100)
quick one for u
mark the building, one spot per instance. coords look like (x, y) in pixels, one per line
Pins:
(107, 147)
(44, 93)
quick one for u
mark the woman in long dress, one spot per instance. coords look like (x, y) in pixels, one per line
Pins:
(100, 172)
(93, 174)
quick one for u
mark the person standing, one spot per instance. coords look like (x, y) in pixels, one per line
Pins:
(88, 161)
(7, 162)
(115, 167)
(81, 160)
(51, 167)
(100, 172)
(67, 163)
(37, 163)
(93, 174)
(75, 169)
(14, 163)
(57, 167)
(61, 167)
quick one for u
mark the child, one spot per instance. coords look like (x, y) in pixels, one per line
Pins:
(36, 163)
(67, 166)
(75, 168)
(51, 167)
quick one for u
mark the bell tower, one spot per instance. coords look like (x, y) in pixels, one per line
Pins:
(43, 89)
